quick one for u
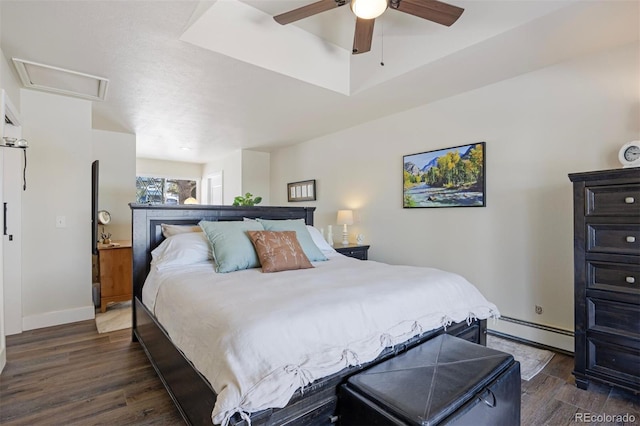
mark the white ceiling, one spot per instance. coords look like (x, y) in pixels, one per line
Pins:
(196, 80)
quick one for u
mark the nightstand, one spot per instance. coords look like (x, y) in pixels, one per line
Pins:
(353, 250)
(115, 273)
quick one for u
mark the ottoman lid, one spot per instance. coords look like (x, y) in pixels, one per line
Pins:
(429, 382)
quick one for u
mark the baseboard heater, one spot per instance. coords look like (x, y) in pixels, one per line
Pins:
(524, 323)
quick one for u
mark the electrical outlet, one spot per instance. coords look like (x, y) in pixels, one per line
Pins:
(539, 310)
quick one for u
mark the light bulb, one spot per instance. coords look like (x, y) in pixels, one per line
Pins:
(369, 9)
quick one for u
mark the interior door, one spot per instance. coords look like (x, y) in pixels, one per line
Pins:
(214, 181)
(12, 188)
(12, 239)
(3, 344)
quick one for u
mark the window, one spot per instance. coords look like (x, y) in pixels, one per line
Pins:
(155, 190)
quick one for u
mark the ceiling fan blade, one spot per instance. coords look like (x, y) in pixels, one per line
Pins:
(433, 10)
(363, 35)
(308, 10)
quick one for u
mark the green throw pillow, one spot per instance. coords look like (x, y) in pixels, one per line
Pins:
(232, 248)
(302, 233)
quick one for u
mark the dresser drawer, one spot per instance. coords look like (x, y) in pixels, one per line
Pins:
(615, 361)
(609, 238)
(621, 319)
(614, 200)
(356, 254)
(622, 277)
(355, 251)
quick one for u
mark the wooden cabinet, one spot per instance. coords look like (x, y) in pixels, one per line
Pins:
(354, 250)
(115, 263)
(607, 277)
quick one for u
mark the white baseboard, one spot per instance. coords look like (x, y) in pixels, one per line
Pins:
(546, 337)
(49, 319)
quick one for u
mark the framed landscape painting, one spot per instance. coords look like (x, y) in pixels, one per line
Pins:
(449, 177)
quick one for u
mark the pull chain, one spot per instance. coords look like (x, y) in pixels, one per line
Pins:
(381, 43)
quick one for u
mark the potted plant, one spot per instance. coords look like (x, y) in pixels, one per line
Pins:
(246, 200)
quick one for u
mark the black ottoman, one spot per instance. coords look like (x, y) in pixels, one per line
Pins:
(446, 380)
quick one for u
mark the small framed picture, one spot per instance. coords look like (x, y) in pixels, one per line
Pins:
(302, 191)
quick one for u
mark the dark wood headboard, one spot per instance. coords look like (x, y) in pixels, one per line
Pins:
(146, 232)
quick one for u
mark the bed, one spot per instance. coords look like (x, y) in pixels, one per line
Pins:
(187, 376)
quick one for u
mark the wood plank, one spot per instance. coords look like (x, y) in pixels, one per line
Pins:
(85, 378)
(73, 375)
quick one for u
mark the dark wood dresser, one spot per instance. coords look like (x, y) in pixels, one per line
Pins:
(607, 277)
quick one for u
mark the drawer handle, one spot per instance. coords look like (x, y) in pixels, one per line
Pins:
(630, 280)
(629, 200)
(488, 398)
(631, 239)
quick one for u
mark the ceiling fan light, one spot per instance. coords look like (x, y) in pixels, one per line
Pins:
(369, 9)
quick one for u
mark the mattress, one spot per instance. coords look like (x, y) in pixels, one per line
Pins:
(258, 337)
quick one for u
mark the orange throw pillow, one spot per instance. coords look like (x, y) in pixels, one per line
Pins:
(279, 250)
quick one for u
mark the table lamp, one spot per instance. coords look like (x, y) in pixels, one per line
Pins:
(345, 217)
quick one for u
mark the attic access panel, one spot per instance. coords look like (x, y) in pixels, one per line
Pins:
(61, 81)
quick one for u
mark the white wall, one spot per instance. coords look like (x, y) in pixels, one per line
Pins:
(242, 171)
(9, 81)
(571, 117)
(56, 264)
(231, 168)
(256, 174)
(117, 183)
(177, 169)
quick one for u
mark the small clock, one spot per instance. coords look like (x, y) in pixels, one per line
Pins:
(629, 154)
(104, 217)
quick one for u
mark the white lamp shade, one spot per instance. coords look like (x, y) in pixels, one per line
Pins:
(191, 200)
(345, 217)
(369, 9)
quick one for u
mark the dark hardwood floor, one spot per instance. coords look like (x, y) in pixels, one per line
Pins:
(71, 375)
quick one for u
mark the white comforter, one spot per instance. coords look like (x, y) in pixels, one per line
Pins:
(258, 337)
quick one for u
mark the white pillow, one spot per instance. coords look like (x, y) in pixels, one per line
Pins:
(182, 249)
(319, 240)
(316, 236)
(171, 230)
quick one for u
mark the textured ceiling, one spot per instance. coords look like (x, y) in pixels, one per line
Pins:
(313, 51)
(190, 103)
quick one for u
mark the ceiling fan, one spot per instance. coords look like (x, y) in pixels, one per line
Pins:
(367, 11)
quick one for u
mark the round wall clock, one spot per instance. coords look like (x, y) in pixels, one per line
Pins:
(104, 217)
(629, 154)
